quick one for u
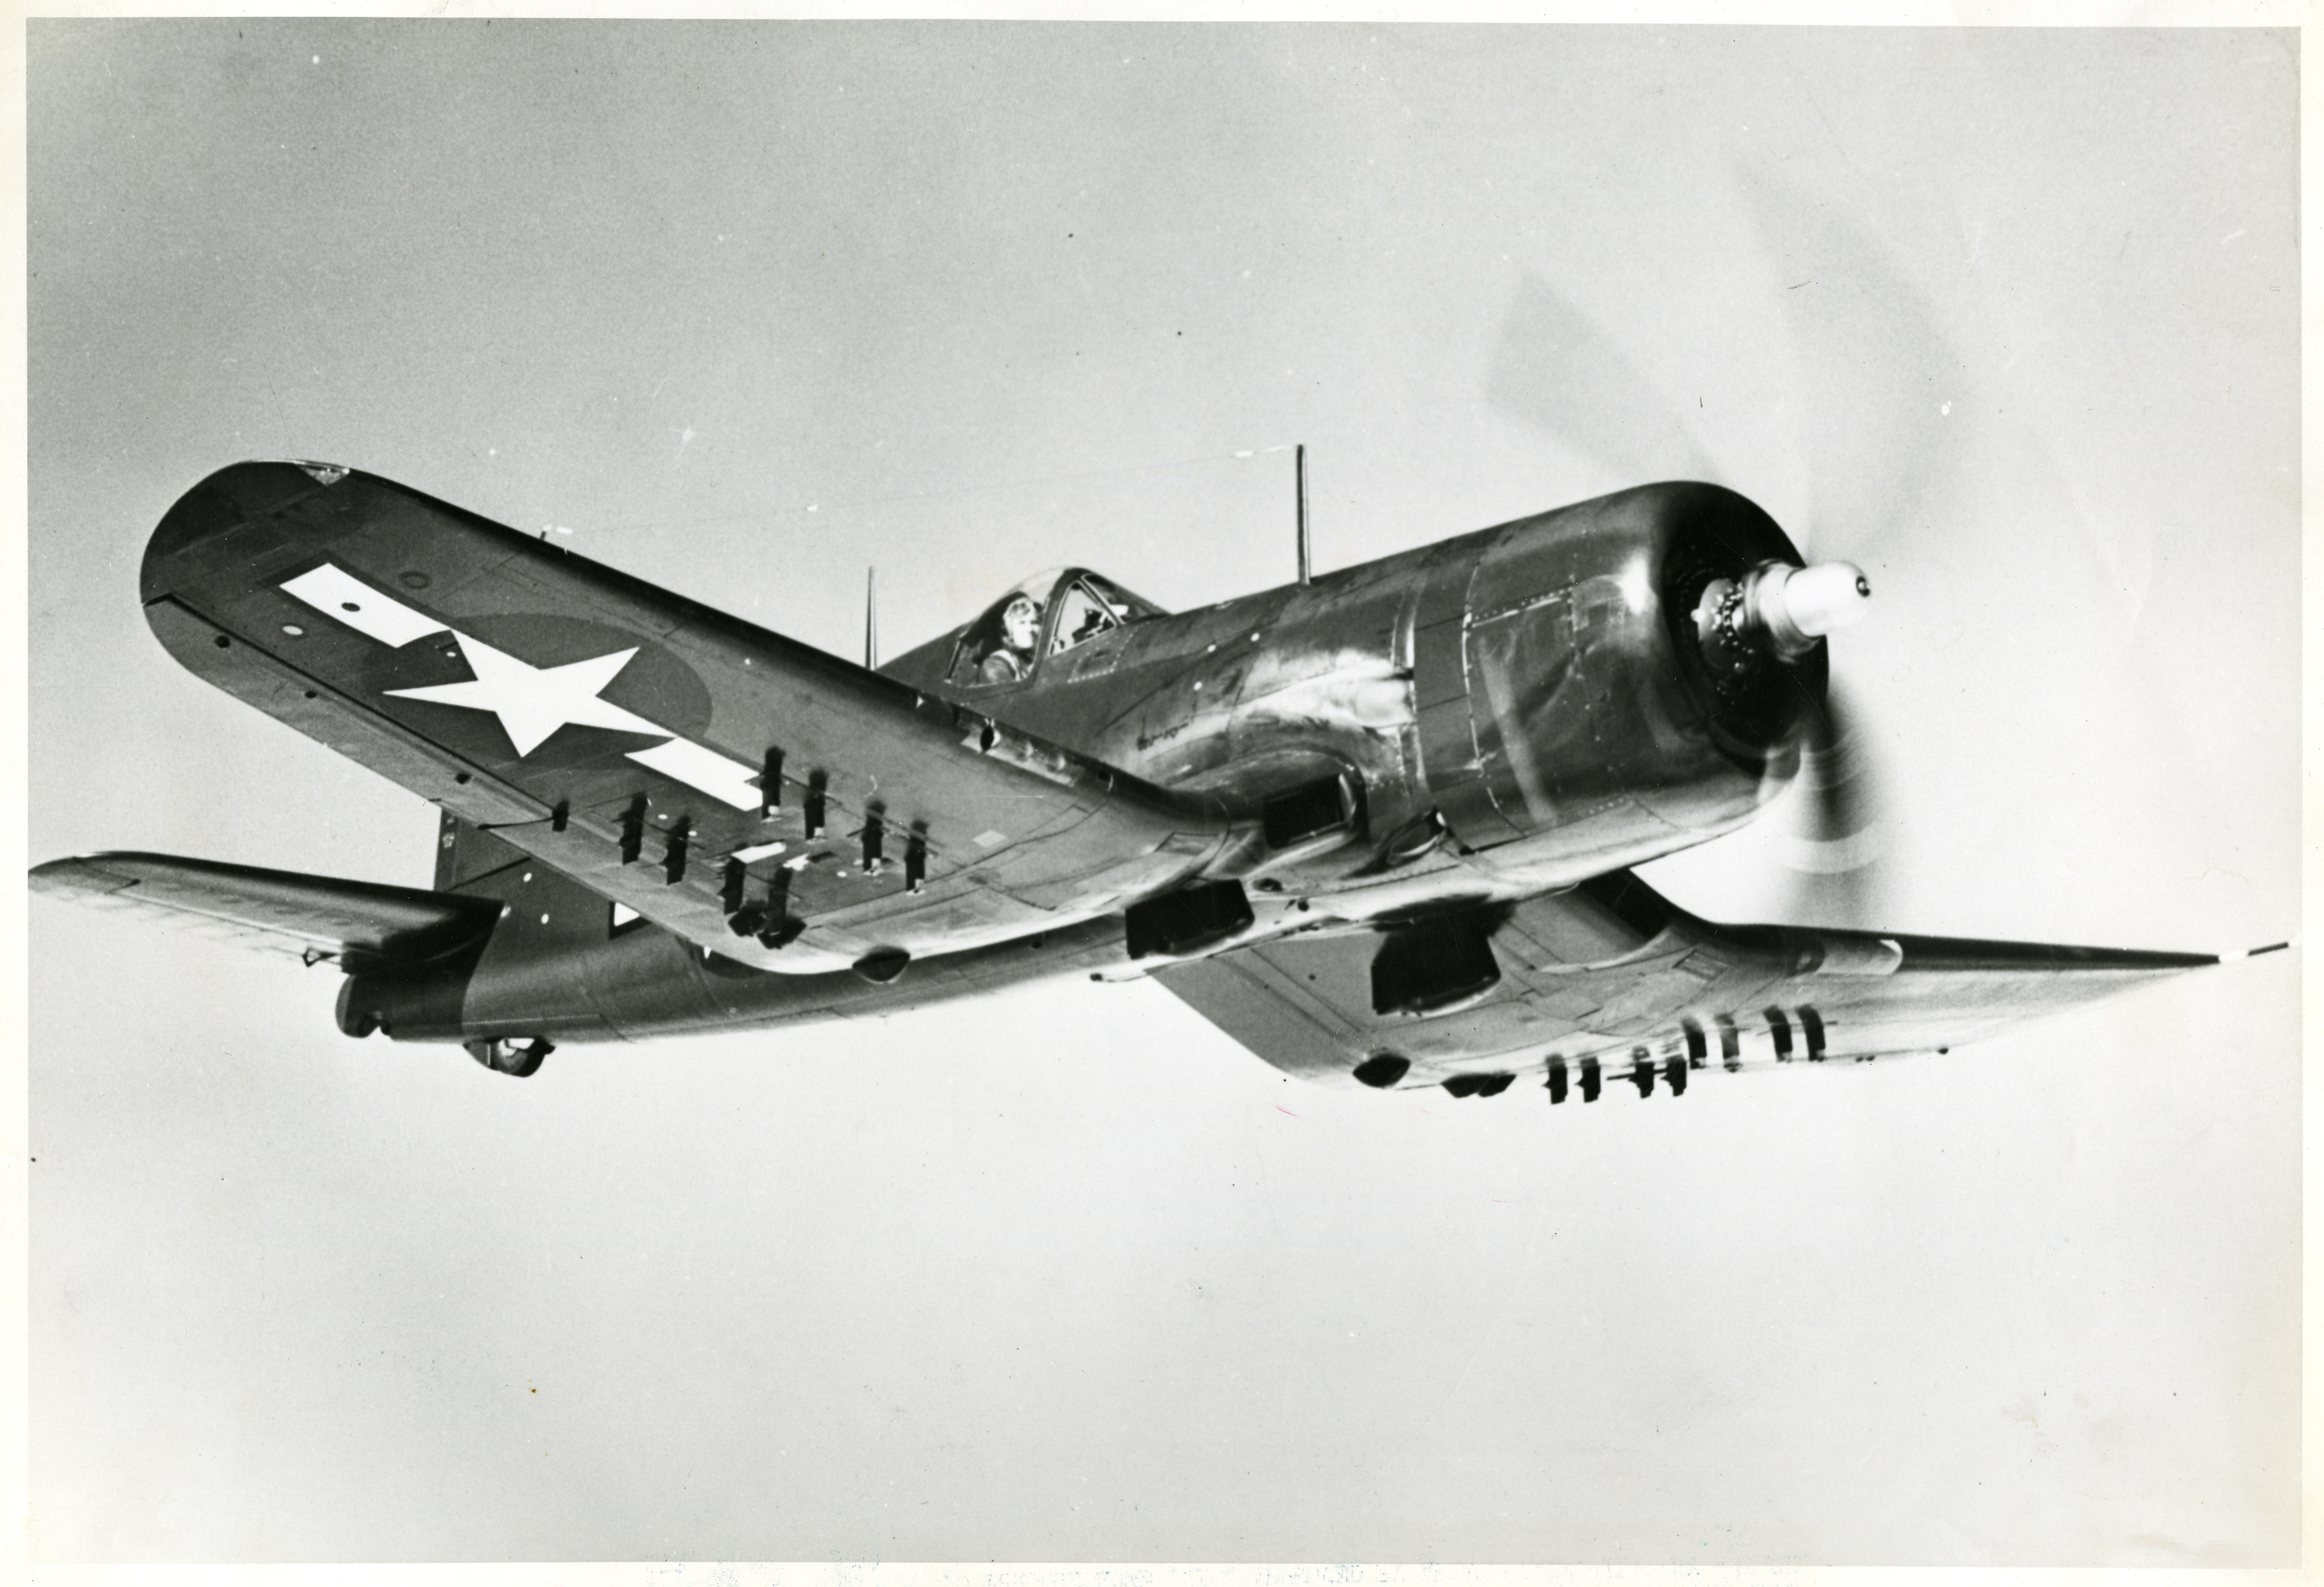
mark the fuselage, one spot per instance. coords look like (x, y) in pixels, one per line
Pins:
(1475, 722)
(1535, 692)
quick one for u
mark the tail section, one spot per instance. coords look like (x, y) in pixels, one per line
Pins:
(359, 925)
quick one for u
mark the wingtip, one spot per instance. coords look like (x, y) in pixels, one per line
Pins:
(2242, 953)
(76, 875)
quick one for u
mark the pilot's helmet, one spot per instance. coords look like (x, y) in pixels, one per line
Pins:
(1021, 620)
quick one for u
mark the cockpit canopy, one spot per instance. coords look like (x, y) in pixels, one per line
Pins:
(1053, 610)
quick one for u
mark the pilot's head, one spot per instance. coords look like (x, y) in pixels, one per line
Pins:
(1021, 620)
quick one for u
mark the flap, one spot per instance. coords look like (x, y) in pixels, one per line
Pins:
(715, 777)
(311, 918)
(1612, 973)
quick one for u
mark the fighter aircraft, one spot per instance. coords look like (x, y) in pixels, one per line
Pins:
(1376, 825)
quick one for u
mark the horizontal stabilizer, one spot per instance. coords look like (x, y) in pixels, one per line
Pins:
(361, 924)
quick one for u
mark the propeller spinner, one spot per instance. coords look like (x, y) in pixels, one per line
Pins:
(1777, 608)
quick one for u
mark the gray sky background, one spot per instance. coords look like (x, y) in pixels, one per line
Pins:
(2011, 318)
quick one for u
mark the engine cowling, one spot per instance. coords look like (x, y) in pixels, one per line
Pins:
(1621, 678)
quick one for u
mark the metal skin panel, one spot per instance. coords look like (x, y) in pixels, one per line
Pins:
(536, 953)
(466, 851)
(1452, 758)
(1864, 995)
(1594, 721)
(325, 714)
(644, 982)
(1269, 1013)
(678, 705)
(1316, 669)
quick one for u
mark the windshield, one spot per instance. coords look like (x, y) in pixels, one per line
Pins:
(1091, 606)
(1052, 611)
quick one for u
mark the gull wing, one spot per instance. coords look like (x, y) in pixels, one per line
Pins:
(749, 793)
(1613, 977)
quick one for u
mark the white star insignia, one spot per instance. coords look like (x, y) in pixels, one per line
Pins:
(534, 701)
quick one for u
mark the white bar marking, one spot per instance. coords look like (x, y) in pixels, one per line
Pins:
(706, 769)
(341, 596)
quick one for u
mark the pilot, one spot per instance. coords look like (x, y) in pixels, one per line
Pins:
(1021, 630)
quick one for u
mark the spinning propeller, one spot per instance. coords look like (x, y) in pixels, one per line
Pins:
(1876, 380)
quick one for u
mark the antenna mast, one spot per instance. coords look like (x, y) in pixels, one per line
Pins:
(1300, 468)
(871, 618)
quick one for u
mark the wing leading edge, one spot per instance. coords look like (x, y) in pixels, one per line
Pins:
(1611, 980)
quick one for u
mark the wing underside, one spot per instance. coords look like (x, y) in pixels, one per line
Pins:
(1611, 980)
(744, 790)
